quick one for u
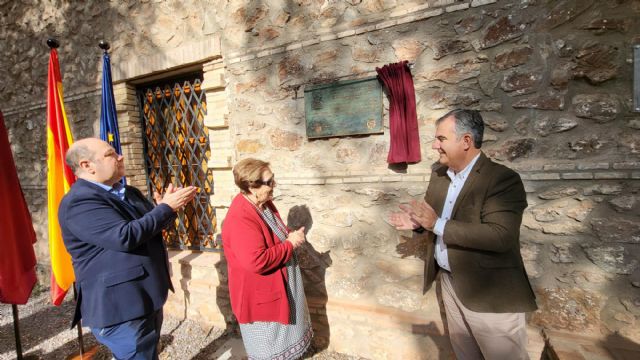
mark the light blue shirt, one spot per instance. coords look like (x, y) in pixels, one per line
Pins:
(117, 188)
(457, 182)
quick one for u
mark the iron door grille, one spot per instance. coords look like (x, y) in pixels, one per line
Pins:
(177, 151)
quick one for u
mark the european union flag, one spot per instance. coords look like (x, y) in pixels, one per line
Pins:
(108, 118)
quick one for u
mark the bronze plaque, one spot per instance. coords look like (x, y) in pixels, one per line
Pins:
(344, 108)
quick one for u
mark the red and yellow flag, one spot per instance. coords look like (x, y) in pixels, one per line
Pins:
(59, 180)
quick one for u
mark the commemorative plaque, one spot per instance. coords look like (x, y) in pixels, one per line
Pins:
(344, 108)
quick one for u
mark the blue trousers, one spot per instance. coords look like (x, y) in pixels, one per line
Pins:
(135, 339)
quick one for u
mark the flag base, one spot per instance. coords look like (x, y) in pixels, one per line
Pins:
(88, 354)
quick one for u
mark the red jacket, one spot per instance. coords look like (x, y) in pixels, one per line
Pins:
(256, 261)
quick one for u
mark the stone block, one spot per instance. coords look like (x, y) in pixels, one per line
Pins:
(370, 179)
(469, 24)
(455, 73)
(346, 33)
(597, 63)
(310, 42)
(476, 3)
(213, 80)
(626, 165)
(611, 258)
(391, 178)
(437, 3)
(593, 166)
(215, 121)
(386, 24)
(282, 139)
(545, 126)
(457, 7)
(328, 37)
(599, 107)
(545, 176)
(547, 101)
(499, 31)
(408, 49)
(558, 167)
(415, 178)
(352, 180)
(513, 149)
(610, 175)
(562, 12)
(567, 309)
(294, 46)
(617, 229)
(513, 57)
(577, 176)
(247, 57)
(446, 47)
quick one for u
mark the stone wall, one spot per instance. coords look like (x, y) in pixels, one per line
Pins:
(551, 78)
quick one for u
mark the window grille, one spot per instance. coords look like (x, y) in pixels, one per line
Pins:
(176, 146)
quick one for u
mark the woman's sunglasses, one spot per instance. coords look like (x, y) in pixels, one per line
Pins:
(269, 182)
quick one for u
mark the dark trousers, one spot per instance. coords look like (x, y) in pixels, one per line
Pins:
(134, 339)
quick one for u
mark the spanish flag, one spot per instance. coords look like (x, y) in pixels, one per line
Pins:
(59, 180)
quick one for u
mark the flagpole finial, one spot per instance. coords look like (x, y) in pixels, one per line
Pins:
(104, 45)
(53, 43)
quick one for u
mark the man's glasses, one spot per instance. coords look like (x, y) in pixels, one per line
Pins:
(269, 182)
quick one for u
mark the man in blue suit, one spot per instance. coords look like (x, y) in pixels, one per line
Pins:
(114, 236)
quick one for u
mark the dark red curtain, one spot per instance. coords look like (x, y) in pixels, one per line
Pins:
(17, 258)
(403, 121)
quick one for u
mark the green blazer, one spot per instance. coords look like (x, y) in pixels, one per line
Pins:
(483, 238)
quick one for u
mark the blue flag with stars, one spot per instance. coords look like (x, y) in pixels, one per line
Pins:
(108, 118)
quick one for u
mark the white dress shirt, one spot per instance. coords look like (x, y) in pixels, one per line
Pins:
(117, 189)
(457, 182)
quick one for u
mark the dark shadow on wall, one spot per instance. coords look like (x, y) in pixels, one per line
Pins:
(621, 347)
(415, 246)
(313, 265)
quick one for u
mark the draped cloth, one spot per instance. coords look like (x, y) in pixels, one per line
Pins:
(403, 120)
(17, 258)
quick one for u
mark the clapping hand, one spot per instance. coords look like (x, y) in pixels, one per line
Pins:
(402, 221)
(296, 238)
(414, 215)
(176, 197)
(422, 213)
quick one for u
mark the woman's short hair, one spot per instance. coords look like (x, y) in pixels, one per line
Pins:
(248, 173)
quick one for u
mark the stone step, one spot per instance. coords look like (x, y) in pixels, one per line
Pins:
(570, 346)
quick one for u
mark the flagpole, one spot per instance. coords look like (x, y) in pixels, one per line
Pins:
(16, 331)
(80, 340)
(54, 44)
(108, 114)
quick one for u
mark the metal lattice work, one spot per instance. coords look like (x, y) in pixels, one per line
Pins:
(176, 152)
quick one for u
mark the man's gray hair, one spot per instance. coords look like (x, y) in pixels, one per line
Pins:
(76, 153)
(467, 121)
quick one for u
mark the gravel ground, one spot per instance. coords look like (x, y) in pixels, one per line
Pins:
(45, 334)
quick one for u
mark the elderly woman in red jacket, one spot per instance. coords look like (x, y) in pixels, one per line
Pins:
(265, 283)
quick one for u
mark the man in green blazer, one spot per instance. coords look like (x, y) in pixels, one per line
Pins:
(471, 217)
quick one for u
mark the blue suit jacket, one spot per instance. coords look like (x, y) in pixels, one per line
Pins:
(119, 257)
